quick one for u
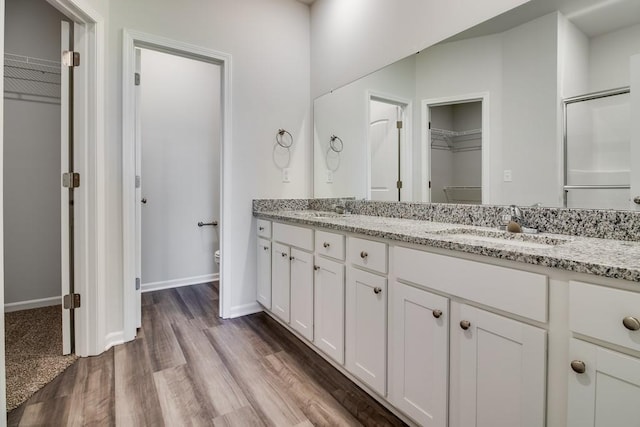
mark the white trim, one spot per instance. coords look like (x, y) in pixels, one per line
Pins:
(130, 40)
(113, 339)
(243, 310)
(3, 377)
(177, 283)
(33, 303)
(425, 135)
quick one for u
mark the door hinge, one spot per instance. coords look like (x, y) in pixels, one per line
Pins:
(136, 79)
(71, 58)
(137, 283)
(71, 180)
(399, 124)
(399, 185)
(71, 301)
(138, 181)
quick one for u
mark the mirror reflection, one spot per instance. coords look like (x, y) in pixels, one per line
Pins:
(480, 117)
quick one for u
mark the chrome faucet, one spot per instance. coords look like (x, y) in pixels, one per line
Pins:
(518, 216)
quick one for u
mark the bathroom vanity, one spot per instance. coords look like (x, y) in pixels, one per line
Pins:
(449, 324)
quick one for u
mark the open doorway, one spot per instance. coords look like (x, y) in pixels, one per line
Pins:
(388, 149)
(178, 170)
(456, 149)
(210, 234)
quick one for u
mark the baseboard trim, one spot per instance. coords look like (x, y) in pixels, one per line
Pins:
(113, 339)
(245, 309)
(176, 283)
(34, 303)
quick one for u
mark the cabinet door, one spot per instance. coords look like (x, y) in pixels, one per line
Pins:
(280, 280)
(302, 292)
(329, 308)
(498, 370)
(419, 354)
(607, 394)
(366, 328)
(264, 273)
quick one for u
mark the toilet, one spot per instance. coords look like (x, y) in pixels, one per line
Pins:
(216, 257)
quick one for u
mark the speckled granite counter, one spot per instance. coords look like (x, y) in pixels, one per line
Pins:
(602, 257)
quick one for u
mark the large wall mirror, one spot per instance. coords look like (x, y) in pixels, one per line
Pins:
(503, 113)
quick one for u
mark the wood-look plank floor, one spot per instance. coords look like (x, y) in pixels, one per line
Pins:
(189, 367)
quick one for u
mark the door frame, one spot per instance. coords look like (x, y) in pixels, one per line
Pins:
(425, 135)
(135, 39)
(90, 204)
(406, 165)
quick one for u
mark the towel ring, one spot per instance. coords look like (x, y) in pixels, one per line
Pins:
(280, 138)
(334, 146)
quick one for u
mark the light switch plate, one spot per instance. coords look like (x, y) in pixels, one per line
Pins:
(329, 177)
(285, 175)
(507, 175)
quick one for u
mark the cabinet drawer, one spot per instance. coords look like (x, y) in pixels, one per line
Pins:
(515, 291)
(598, 311)
(263, 228)
(330, 244)
(368, 254)
(293, 236)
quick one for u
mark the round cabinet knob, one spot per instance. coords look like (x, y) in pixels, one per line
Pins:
(631, 323)
(326, 244)
(465, 324)
(284, 255)
(636, 200)
(578, 366)
(363, 254)
(377, 290)
(316, 267)
(437, 313)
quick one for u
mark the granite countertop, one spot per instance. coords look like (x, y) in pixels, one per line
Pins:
(602, 257)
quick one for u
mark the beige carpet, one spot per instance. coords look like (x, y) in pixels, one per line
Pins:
(33, 341)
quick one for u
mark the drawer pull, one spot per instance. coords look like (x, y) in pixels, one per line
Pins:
(266, 248)
(437, 313)
(326, 244)
(363, 254)
(316, 267)
(377, 290)
(261, 228)
(578, 366)
(284, 254)
(465, 324)
(631, 323)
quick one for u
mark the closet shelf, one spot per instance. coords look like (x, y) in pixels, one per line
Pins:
(31, 77)
(452, 138)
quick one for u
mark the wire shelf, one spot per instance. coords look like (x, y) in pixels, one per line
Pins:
(34, 77)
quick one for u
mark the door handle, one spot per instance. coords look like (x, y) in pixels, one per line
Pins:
(144, 200)
(212, 223)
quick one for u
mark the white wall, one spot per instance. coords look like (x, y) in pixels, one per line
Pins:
(32, 163)
(609, 58)
(352, 38)
(269, 44)
(180, 123)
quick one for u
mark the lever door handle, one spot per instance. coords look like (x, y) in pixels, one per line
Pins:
(212, 223)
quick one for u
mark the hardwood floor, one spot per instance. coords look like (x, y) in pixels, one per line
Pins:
(189, 367)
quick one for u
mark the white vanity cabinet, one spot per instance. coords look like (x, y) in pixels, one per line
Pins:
(329, 308)
(497, 371)
(263, 255)
(292, 276)
(604, 384)
(366, 312)
(419, 354)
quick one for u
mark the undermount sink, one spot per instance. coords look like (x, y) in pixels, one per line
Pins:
(505, 237)
(307, 214)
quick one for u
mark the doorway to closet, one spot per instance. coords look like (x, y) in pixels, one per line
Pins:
(178, 132)
(38, 212)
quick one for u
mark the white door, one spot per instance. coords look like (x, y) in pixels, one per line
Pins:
(384, 149)
(66, 194)
(280, 281)
(139, 200)
(419, 354)
(607, 393)
(180, 126)
(635, 133)
(302, 292)
(498, 370)
(329, 308)
(264, 272)
(366, 328)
